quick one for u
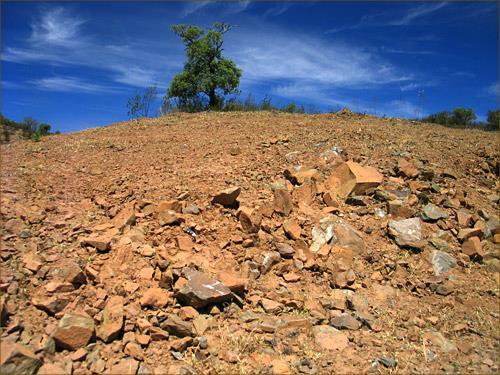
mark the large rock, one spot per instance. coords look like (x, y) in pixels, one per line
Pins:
(227, 197)
(17, 359)
(169, 217)
(50, 304)
(472, 247)
(74, 331)
(68, 271)
(112, 319)
(299, 175)
(351, 177)
(407, 168)
(407, 233)
(201, 290)
(329, 338)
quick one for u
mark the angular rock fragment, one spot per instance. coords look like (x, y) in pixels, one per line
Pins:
(250, 219)
(431, 213)
(177, 327)
(126, 217)
(112, 319)
(407, 168)
(201, 290)
(50, 304)
(329, 338)
(346, 321)
(299, 175)
(74, 331)
(17, 359)
(227, 197)
(127, 366)
(283, 203)
(407, 233)
(472, 247)
(169, 217)
(155, 297)
(442, 262)
(285, 250)
(353, 178)
(292, 229)
(172, 205)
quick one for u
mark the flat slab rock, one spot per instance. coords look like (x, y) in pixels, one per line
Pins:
(202, 290)
(17, 359)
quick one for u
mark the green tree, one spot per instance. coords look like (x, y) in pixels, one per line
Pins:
(463, 116)
(44, 129)
(494, 120)
(206, 71)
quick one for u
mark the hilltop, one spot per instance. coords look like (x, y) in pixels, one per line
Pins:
(252, 242)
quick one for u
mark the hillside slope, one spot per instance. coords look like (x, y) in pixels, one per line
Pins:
(122, 254)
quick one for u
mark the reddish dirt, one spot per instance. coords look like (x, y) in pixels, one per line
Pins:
(83, 222)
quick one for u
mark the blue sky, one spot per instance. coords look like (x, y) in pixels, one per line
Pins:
(74, 65)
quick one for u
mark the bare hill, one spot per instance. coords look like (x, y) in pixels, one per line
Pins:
(251, 243)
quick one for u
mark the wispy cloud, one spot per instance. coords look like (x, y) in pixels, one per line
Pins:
(493, 89)
(277, 10)
(71, 84)
(230, 7)
(59, 39)
(404, 18)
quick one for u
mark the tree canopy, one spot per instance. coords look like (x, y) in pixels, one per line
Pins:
(206, 71)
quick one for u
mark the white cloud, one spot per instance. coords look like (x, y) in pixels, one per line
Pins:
(229, 7)
(71, 84)
(56, 26)
(493, 89)
(390, 18)
(58, 39)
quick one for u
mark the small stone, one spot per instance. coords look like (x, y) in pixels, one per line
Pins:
(346, 321)
(184, 243)
(250, 219)
(351, 177)
(227, 197)
(17, 359)
(181, 344)
(472, 247)
(155, 297)
(387, 362)
(125, 218)
(270, 306)
(285, 250)
(172, 205)
(407, 233)
(169, 217)
(442, 262)
(283, 203)
(292, 229)
(329, 338)
(291, 277)
(52, 369)
(74, 331)
(432, 213)
(127, 366)
(177, 327)
(407, 168)
(33, 262)
(467, 233)
(134, 350)
(50, 304)
(112, 322)
(191, 209)
(236, 283)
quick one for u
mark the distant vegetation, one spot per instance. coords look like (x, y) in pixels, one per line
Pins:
(29, 128)
(139, 105)
(464, 117)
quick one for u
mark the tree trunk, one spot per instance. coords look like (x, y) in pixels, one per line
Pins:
(213, 100)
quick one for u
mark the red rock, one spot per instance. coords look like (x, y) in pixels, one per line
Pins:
(143, 339)
(78, 355)
(126, 217)
(146, 273)
(351, 177)
(227, 197)
(233, 281)
(298, 176)
(33, 262)
(112, 319)
(134, 350)
(58, 287)
(17, 359)
(100, 242)
(68, 271)
(305, 193)
(329, 338)
(177, 327)
(291, 277)
(407, 168)
(181, 344)
(155, 297)
(169, 217)
(330, 199)
(250, 219)
(201, 290)
(464, 218)
(172, 205)
(472, 247)
(292, 229)
(50, 304)
(188, 313)
(465, 234)
(270, 306)
(283, 203)
(52, 369)
(74, 331)
(125, 367)
(184, 242)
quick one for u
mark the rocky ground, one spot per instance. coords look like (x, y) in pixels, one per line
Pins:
(251, 243)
